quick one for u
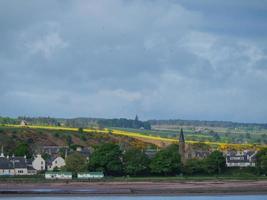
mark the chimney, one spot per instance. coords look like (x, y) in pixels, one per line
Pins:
(2, 152)
(66, 153)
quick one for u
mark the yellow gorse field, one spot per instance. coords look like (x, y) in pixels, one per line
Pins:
(221, 146)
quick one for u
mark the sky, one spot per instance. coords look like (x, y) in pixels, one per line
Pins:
(159, 59)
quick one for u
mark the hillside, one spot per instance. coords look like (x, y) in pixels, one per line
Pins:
(10, 137)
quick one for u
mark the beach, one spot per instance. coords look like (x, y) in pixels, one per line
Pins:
(136, 188)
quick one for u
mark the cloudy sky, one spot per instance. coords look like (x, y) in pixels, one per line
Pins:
(159, 59)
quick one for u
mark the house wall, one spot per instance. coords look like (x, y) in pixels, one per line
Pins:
(38, 163)
(58, 162)
(7, 172)
(21, 171)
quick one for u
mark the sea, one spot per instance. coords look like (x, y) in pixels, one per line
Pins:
(212, 197)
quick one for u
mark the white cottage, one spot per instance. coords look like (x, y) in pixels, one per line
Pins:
(38, 163)
(57, 162)
(20, 165)
(241, 159)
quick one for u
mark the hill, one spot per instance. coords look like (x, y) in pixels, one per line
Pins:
(11, 137)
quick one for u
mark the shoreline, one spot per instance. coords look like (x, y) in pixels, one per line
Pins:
(136, 188)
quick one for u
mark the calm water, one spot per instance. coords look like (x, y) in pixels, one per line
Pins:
(234, 197)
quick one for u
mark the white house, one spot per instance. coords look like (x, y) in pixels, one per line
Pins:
(56, 162)
(38, 163)
(58, 175)
(6, 168)
(10, 166)
(241, 159)
(24, 123)
(19, 165)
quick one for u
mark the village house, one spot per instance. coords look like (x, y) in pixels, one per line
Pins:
(151, 153)
(20, 165)
(38, 163)
(85, 152)
(15, 165)
(241, 159)
(6, 167)
(54, 150)
(55, 163)
(24, 123)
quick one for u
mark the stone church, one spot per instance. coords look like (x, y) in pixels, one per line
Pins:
(192, 151)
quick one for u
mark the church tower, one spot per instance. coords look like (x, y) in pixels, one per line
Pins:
(182, 146)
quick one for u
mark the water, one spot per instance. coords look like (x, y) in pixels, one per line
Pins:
(218, 197)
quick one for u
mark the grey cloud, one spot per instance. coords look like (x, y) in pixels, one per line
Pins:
(159, 59)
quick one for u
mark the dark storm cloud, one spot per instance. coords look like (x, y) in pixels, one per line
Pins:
(159, 59)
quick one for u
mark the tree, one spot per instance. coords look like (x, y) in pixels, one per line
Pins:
(261, 161)
(215, 162)
(69, 140)
(107, 158)
(80, 130)
(76, 163)
(136, 162)
(194, 166)
(167, 161)
(22, 149)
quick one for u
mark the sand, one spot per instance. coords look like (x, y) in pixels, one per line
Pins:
(137, 188)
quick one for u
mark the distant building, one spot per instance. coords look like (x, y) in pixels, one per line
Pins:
(38, 163)
(6, 167)
(55, 162)
(199, 154)
(58, 175)
(24, 123)
(52, 150)
(85, 152)
(20, 165)
(151, 152)
(10, 166)
(241, 159)
(189, 151)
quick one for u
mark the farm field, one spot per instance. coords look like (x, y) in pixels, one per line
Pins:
(147, 136)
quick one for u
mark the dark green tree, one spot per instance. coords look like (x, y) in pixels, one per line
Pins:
(167, 161)
(261, 161)
(23, 149)
(194, 167)
(107, 157)
(135, 162)
(215, 163)
(76, 163)
(80, 130)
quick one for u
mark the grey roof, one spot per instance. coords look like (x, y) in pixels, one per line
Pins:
(19, 162)
(85, 152)
(5, 164)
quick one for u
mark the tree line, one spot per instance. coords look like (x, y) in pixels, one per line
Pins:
(109, 159)
(80, 122)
